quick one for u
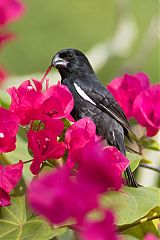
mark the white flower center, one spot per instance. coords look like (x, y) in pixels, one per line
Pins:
(29, 88)
(47, 139)
(1, 135)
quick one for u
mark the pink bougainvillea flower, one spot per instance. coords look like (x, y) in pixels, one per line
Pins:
(80, 133)
(58, 102)
(85, 200)
(99, 230)
(76, 195)
(26, 100)
(97, 169)
(10, 176)
(44, 146)
(4, 198)
(126, 88)
(62, 198)
(52, 108)
(30, 103)
(146, 109)
(55, 126)
(53, 204)
(150, 236)
(9, 123)
(78, 136)
(116, 158)
(62, 93)
(10, 10)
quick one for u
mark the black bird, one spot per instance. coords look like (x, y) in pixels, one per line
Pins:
(93, 100)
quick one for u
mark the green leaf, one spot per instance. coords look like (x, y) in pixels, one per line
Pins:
(146, 161)
(131, 204)
(128, 237)
(141, 227)
(68, 235)
(5, 98)
(21, 153)
(134, 160)
(16, 223)
(141, 230)
(66, 122)
(150, 143)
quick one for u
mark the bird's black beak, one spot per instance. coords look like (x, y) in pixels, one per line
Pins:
(59, 62)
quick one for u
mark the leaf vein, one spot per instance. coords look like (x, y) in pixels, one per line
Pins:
(8, 232)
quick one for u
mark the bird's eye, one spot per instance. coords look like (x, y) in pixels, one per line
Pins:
(70, 55)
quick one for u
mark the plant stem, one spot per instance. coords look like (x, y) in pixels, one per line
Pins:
(149, 167)
(140, 149)
(131, 149)
(4, 159)
(143, 220)
(28, 161)
(24, 128)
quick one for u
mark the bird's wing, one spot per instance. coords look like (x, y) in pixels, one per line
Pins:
(98, 95)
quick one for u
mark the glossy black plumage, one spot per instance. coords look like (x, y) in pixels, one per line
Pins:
(93, 100)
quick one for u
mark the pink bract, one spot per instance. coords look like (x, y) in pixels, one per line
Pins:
(26, 100)
(67, 195)
(126, 88)
(58, 101)
(99, 230)
(80, 133)
(10, 176)
(44, 146)
(146, 109)
(96, 169)
(10, 10)
(115, 159)
(9, 123)
(62, 198)
(53, 204)
(30, 103)
(4, 198)
(55, 126)
(77, 136)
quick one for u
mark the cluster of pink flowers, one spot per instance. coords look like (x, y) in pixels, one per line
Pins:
(10, 10)
(84, 168)
(139, 99)
(71, 193)
(30, 104)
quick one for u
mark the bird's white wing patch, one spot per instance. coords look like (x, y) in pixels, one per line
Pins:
(83, 94)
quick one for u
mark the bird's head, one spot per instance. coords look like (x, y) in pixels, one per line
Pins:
(69, 61)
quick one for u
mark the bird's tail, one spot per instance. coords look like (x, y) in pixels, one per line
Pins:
(130, 179)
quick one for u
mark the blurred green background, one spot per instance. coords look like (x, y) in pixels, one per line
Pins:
(118, 36)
